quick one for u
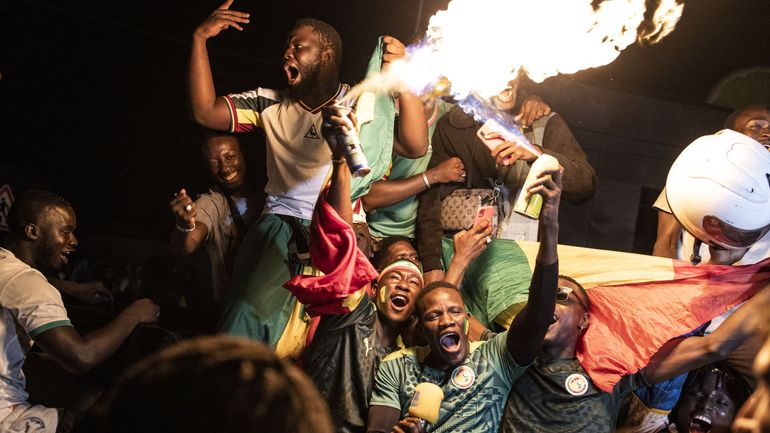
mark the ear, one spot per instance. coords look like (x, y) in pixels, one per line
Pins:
(584, 322)
(32, 231)
(327, 56)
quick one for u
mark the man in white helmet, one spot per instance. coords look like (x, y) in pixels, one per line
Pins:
(752, 121)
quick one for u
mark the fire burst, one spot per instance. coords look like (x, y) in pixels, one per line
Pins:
(479, 46)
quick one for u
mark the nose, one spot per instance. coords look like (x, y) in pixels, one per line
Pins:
(73, 241)
(288, 54)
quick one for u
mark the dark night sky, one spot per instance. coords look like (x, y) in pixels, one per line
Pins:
(93, 92)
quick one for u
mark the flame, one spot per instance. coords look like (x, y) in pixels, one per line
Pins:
(479, 46)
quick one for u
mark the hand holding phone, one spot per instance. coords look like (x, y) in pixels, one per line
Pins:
(484, 213)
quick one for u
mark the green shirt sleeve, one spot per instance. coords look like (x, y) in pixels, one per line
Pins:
(496, 352)
(387, 384)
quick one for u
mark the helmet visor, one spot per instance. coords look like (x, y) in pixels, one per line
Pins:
(728, 236)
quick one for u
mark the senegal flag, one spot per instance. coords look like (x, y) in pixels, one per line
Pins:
(638, 302)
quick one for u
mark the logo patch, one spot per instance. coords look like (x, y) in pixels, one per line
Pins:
(463, 377)
(6, 200)
(576, 384)
(312, 133)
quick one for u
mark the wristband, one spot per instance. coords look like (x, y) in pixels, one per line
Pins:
(185, 230)
(425, 179)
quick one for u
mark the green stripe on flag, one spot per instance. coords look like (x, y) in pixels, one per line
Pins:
(497, 279)
(376, 136)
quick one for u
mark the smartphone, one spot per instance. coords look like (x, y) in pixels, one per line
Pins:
(487, 128)
(484, 212)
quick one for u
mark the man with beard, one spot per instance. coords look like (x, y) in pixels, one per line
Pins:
(298, 160)
(356, 332)
(218, 219)
(41, 238)
(474, 377)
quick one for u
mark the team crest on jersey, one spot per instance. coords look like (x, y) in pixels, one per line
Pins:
(576, 384)
(463, 377)
(6, 200)
(312, 133)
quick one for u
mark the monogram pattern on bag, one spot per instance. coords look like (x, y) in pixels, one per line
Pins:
(458, 209)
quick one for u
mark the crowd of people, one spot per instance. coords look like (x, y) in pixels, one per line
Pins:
(343, 293)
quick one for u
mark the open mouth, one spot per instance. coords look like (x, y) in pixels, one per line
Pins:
(65, 256)
(506, 95)
(450, 341)
(399, 301)
(292, 74)
(700, 424)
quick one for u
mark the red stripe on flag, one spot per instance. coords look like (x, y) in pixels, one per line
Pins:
(334, 252)
(629, 323)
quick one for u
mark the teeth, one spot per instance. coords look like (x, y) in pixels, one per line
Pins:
(703, 418)
(231, 176)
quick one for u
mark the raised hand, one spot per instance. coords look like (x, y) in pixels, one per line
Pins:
(393, 50)
(336, 122)
(468, 244)
(548, 185)
(532, 108)
(508, 152)
(183, 208)
(221, 19)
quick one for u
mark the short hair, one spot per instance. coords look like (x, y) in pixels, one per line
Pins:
(385, 244)
(30, 205)
(733, 117)
(580, 288)
(214, 383)
(327, 35)
(207, 135)
(429, 288)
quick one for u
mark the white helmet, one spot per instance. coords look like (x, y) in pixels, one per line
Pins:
(719, 189)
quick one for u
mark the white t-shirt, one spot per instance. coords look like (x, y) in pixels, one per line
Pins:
(29, 306)
(298, 158)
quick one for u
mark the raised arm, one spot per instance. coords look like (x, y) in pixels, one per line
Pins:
(525, 336)
(338, 195)
(686, 354)
(412, 138)
(468, 244)
(80, 354)
(207, 109)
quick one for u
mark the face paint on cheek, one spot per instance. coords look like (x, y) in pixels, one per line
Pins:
(383, 293)
(467, 326)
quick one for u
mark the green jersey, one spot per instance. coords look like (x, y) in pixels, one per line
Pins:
(401, 218)
(475, 392)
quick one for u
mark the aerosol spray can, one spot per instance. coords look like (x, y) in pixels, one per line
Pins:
(531, 208)
(351, 146)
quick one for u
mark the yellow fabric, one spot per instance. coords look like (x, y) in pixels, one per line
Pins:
(593, 267)
(249, 116)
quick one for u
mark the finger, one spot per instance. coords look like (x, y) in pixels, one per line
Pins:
(232, 14)
(226, 5)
